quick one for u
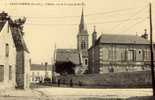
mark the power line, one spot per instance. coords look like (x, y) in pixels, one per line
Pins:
(128, 28)
(91, 14)
(133, 15)
(106, 22)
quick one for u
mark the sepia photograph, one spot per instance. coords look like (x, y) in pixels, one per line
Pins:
(77, 49)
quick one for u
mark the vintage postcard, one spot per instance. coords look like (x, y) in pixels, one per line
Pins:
(77, 49)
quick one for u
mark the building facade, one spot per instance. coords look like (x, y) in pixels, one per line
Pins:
(17, 60)
(7, 56)
(39, 72)
(119, 53)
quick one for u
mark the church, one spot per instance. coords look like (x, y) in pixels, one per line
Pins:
(76, 59)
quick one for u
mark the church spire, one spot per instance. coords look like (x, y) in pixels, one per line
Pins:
(82, 18)
(82, 27)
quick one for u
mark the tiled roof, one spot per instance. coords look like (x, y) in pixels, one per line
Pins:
(2, 20)
(122, 39)
(1, 25)
(66, 55)
(15, 30)
(40, 67)
(18, 39)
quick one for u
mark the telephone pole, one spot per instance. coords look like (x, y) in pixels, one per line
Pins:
(152, 49)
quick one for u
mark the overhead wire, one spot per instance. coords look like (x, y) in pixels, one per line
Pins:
(133, 15)
(114, 21)
(91, 14)
(131, 26)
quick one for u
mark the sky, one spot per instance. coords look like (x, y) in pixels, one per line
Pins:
(50, 25)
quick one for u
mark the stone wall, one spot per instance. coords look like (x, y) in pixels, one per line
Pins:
(112, 80)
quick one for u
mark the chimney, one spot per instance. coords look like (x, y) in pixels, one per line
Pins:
(46, 63)
(94, 36)
(145, 35)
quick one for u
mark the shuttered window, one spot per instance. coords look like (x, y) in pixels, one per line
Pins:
(1, 73)
(10, 72)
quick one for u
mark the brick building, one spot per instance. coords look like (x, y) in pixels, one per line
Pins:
(119, 53)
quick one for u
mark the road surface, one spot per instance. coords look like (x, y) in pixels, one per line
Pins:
(54, 93)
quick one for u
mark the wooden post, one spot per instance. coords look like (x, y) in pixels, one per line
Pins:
(151, 49)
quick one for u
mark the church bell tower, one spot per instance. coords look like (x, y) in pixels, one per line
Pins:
(82, 40)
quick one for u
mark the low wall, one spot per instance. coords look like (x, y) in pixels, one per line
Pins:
(111, 80)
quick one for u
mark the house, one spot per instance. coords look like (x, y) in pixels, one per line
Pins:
(119, 53)
(80, 54)
(16, 53)
(39, 72)
(7, 55)
(68, 61)
(22, 56)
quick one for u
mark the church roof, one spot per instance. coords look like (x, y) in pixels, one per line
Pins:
(66, 55)
(40, 67)
(122, 39)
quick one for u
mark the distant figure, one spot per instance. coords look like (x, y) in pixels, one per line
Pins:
(58, 82)
(80, 83)
(71, 83)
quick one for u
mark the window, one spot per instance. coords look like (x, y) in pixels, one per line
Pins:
(83, 45)
(123, 55)
(7, 50)
(1, 73)
(10, 72)
(130, 55)
(110, 54)
(111, 69)
(86, 61)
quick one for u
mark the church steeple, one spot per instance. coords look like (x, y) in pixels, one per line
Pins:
(82, 26)
(82, 41)
(82, 37)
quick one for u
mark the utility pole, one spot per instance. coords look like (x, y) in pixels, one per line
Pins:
(152, 49)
